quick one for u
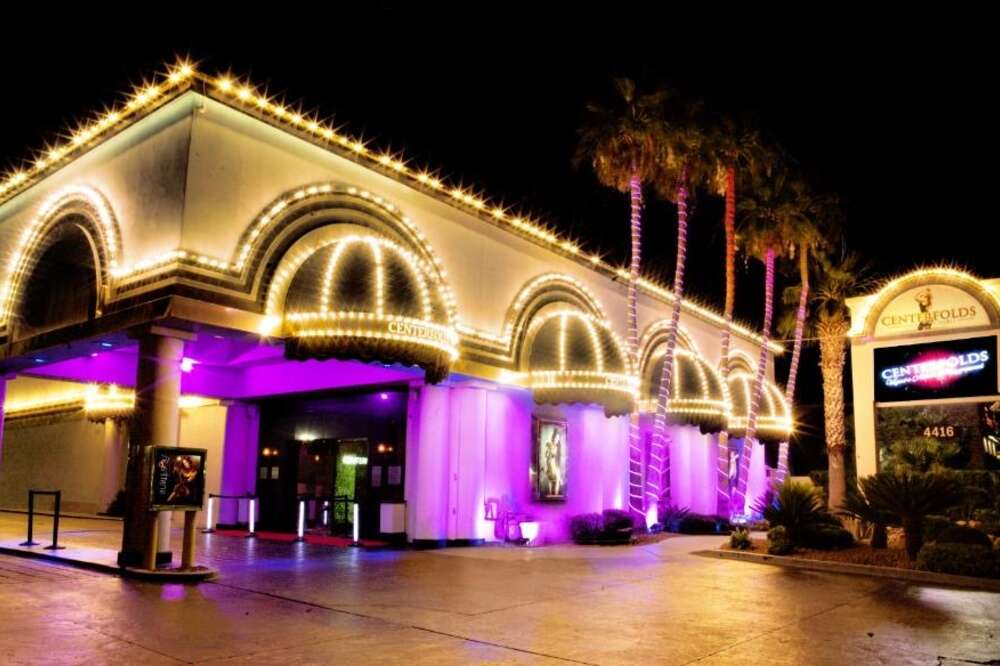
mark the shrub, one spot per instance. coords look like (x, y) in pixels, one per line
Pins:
(670, 516)
(695, 523)
(964, 535)
(795, 506)
(617, 520)
(857, 506)
(116, 507)
(740, 539)
(934, 526)
(825, 537)
(586, 527)
(778, 542)
(959, 558)
(989, 520)
(909, 498)
(612, 527)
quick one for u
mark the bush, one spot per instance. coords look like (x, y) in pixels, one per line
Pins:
(795, 507)
(909, 498)
(778, 542)
(960, 559)
(670, 516)
(964, 535)
(857, 506)
(586, 527)
(695, 523)
(740, 539)
(989, 520)
(612, 527)
(825, 537)
(116, 507)
(934, 526)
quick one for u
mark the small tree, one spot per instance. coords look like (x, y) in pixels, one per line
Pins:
(909, 498)
(857, 506)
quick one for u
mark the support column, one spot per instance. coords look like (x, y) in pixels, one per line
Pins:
(114, 461)
(3, 402)
(156, 422)
(239, 460)
(430, 509)
(467, 464)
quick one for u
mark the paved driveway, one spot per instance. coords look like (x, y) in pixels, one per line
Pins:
(287, 603)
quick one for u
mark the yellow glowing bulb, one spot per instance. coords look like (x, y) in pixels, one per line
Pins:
(244, 93)
(224, 84)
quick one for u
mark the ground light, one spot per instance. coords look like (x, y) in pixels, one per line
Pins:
(252, 519)
(208, 515)
(357, 525)
(300, 530)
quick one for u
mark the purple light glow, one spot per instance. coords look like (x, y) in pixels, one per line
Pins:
(187, 364)
(383, 396)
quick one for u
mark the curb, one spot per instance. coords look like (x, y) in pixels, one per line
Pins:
(160, 576)
(909, 575)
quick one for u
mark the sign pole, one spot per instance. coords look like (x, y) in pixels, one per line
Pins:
(149, 561)
(187, 552)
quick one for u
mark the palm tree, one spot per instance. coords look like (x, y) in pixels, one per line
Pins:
(622, 141)
(732, 149)
(909, 498)
(683, 166)
(773, 220)
(839, 277)
(824, 212)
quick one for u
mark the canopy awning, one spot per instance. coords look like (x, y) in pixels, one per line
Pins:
(774, 419)
(698, 395)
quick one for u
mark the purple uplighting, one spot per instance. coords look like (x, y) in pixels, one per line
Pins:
(383, 396)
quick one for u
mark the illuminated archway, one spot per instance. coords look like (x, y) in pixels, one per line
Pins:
(75, 219)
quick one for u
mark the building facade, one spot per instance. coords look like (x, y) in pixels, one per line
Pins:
(207, 267)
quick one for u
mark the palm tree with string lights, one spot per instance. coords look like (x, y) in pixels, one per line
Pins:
(825, 218)
(622, 141)
(773, 218)
(685, 166)
(733, 149)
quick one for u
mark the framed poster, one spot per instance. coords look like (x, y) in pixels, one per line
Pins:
(549, 461)
(177, 478)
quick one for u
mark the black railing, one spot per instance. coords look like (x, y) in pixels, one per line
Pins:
(55, 518)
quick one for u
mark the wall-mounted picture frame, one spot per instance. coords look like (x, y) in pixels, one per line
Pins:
(549, 460)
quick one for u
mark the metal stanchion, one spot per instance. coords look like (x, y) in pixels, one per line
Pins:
(55, 524)
(357, 524)
(300, 531)
(57, 494)
(252, 518)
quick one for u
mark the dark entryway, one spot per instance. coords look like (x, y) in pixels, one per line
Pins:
(333, 450)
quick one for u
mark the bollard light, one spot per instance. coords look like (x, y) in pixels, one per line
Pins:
(300, 531)
(326, 513)
(253, 518)
(357, 524)
(208, 515)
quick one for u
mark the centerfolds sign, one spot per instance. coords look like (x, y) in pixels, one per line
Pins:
(178, 478)
(954, 435)
(931, 308)
(949, 369)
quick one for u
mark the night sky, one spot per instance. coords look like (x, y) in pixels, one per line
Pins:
(889, 112)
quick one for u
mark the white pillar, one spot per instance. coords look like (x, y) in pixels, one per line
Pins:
(114, 461)
(239, 461)
(467, 462)
(429, 511)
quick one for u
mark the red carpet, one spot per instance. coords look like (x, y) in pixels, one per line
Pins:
(315, 539)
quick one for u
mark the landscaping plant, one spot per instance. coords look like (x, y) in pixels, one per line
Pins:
(909, 498)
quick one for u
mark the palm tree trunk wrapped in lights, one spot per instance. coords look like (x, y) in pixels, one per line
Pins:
(634, 443)
(622, 142)
(722, 464)
(658, 483)
(740, 499)
(793, 369)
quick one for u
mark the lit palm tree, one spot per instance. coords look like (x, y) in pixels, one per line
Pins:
(824, 216)
(773, 220)
(622, 141)
(838, 278)
(684, 166)
(733, 149)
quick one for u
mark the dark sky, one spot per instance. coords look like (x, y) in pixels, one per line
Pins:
(888, 111)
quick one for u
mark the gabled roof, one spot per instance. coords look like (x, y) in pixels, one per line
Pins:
(242, 95)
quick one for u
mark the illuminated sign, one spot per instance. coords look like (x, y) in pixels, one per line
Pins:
(351, 459)
(936, 369)
(948, 369)
(931, 308)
